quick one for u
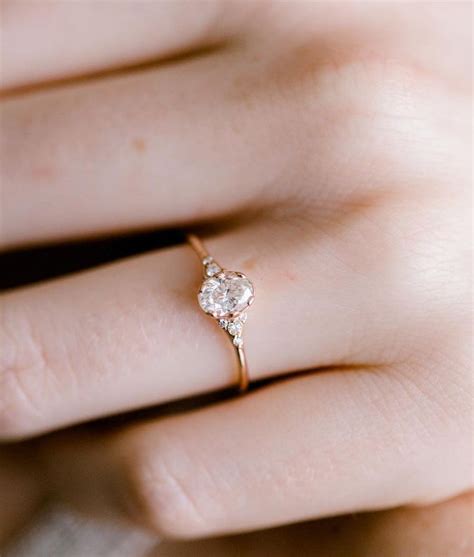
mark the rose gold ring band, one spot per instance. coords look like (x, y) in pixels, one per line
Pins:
(225, 296)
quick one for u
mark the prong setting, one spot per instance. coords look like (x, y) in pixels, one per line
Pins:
(225, 295)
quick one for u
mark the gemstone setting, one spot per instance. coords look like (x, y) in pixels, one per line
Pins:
(234, 328)
(212, 269)
(238, 342)
(226, 294)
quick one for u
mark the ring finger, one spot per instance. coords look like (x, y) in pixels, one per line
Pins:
(130, 334)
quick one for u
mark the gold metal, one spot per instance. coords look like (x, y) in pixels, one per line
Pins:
(242, 368)
(197, 246)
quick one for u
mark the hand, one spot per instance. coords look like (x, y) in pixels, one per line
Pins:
(329, 151)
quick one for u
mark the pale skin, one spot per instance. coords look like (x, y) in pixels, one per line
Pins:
(328, 146)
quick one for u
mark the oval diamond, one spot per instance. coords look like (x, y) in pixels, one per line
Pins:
(227, 293)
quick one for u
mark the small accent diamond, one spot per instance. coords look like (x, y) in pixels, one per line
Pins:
(238, 341)
(234, 327)
(242, 318)
(207, 260)
(212, 269)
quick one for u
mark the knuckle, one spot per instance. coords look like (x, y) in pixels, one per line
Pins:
(433, 277)
(373, 114)
(371, 98)
(162, 490)
(22, 362)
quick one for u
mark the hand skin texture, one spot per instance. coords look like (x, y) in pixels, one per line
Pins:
(440, 530)
(324, 149)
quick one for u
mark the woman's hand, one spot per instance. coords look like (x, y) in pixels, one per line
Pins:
(328, 146)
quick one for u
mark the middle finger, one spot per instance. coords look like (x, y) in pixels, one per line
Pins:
(154, 148)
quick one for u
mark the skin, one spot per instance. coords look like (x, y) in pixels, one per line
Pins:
(436, 531)
(328, 158)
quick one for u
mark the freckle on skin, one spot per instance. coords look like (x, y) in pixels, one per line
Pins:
(139, 144)
(43, 173)
(290, 275)
(250, 263)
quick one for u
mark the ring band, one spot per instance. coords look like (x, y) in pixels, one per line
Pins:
(225, 296)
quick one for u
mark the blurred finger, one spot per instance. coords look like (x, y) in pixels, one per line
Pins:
(156, 148)
(45, 41)
(436, 530)
(326, 444)
(214, 137)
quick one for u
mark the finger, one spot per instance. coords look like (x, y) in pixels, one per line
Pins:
(156, 148)
(436, 530)
(134, 331)
(208, 137)
(57, 40)
(322, 445)
(131, 334)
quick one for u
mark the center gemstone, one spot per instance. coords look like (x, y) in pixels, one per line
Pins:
(225, 294)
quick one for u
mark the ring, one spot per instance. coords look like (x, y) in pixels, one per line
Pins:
(225, 296)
